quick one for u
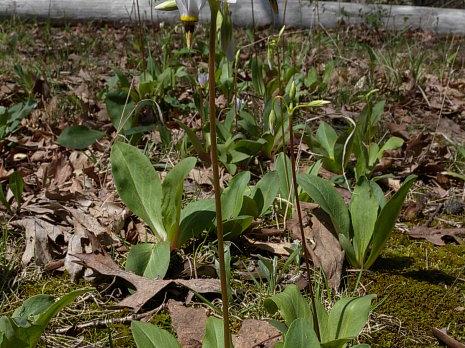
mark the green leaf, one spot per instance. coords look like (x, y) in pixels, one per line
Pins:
(235, 226)
(44, 318)
(120, 110)
(391, 144)
(387, 219)
(138, 185)
(79, 137)
(172, 190)
(249, 147)
(257, 76)
(373, 152)
(327, 138)
(265, 192)
(249, 207)
(323, 193)
(147, 335)
(363, 212)
(214, 333)
(13, 335)
(348, 316)
(232, 196)
(283, 168)
(149, 260)
(291, 305)
(16, 183)
(31, 307)
(348, 249)
(301, 335)
(17, 112)
(196, 217)
(377, 112)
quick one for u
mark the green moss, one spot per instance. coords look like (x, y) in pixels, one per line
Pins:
(419, 286)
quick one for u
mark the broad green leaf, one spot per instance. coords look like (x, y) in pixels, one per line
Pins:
(348, 316)
(237, 156)
(373, 152)
(323, 193)
(377, 112)
(31, 307)
(284, 170)
(387, 219)
(149, 260)
(196, 217)
(391, 144)
(314, 169)
(79, 137)
(16, 183)
(13, 335)
(257, 76)
(147, 335)
(363, 212)
(348, 249)
(291, 305)
(232, 196)
(120, 109)
(378, 193)
(249, 147)
(44, 318)
(249, 207)
(172, 189)
(265, 192)
(138, 185)
(301, 335)
(214, 333)
(235, 226)
(323, 325)
(17, 112)
(339, 343)
(327, 138)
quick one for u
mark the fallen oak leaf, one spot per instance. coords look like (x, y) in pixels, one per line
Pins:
(188, 323)
(437, 236)
(322, 245)
(256, 333)
(145, 288)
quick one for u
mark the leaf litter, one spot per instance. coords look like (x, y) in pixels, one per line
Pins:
(70, 211)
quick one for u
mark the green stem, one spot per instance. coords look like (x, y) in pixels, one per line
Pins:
(216, 176)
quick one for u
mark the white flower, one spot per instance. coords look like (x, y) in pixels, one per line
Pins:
(189, 10)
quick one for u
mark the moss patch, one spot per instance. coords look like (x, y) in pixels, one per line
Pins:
(419, 286)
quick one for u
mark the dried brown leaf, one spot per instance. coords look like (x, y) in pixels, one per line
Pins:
(437, 236)
(322, 245)
(188, 323)
(146, 289)
(256, 333)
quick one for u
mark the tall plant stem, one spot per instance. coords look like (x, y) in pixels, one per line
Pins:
(216, 176)
(301, 225)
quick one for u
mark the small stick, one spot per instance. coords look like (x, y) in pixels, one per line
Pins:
(446, 339)
(106, 322)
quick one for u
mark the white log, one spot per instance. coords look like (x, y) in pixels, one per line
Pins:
(299, 13)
